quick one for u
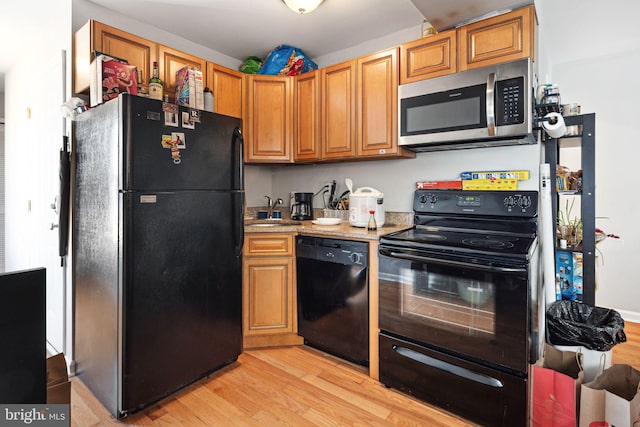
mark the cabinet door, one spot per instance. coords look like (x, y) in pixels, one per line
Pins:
(227, 86)
(269, 119)
(170, 61)
(377, 97)
(429, 57)
(502, 38)
(98, 37)
(306, 127)
(268, 296)
(339, 110)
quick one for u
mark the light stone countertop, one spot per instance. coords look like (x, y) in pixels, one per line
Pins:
(342, 230)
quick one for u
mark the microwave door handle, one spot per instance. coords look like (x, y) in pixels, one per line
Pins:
(491, 110)
(450, 263)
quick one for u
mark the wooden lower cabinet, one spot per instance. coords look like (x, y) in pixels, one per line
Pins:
(269, 291)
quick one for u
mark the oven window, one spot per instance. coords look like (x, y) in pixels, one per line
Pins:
(460, 307)
(449, 301)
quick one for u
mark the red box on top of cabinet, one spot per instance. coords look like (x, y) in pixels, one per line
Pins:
(110, 77)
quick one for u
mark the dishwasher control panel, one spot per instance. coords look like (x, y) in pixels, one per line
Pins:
(347, 252)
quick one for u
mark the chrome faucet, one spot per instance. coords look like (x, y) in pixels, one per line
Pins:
(271, 205)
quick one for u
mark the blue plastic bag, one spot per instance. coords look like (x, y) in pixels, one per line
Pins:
(286, 60)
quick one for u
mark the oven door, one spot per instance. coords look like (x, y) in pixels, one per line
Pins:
(457, 304)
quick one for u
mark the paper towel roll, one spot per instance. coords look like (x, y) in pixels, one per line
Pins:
(554, 126)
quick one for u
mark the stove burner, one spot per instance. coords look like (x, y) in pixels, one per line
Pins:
(503, 238)
(488, 243)
(431, 237)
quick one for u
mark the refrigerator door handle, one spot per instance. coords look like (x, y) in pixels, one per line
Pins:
(238, 182)
(238, 152)
(239, 224)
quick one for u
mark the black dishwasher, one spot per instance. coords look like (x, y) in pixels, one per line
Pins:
(333, 296)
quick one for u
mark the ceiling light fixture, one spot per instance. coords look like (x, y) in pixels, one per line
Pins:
(303, 6)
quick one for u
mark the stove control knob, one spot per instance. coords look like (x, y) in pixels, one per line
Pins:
(509, 202)
(355, 257)
(524, 202)
(428, 198)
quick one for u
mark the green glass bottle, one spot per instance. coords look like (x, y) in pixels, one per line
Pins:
(155, 83)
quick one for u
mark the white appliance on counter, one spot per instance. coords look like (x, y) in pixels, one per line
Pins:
(362, 202)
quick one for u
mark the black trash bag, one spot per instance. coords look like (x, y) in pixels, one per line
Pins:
(578, 324)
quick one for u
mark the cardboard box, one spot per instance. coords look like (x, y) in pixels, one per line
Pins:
(58, 384)
(508, 174)
(569, 281)
(190, 88)
(490, 184)
(449, 185)
(110, 77)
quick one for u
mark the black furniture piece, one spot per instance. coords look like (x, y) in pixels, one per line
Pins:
(586, 141)
(23, 355)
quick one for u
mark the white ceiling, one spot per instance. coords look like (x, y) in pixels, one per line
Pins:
(241, 28)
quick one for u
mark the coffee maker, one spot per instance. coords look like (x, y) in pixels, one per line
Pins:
(302, 206)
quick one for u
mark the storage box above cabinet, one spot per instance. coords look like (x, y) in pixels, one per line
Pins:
(97, 37)
(170, 61)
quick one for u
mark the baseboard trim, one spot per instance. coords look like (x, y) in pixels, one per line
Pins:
(629, 316)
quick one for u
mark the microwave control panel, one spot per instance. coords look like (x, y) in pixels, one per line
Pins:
(510, 101)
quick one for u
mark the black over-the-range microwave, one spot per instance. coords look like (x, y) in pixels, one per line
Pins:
(477, 108)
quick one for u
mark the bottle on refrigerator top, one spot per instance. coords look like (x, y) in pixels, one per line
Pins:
(208, 100)
(141, 89)
(155, 83)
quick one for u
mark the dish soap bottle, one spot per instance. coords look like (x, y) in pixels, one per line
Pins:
(372, 226)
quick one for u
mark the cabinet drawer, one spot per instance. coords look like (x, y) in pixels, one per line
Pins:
(268, 244)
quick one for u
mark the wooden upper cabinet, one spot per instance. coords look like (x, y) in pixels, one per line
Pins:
(338, 113)
(431, 56)
(170, 61)
(306, 121)
(503, 38)
(97, 37)
(269, 119)
(227, 87)
(377, 96)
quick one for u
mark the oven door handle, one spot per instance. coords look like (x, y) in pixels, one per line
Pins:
(451, 263)
(448, 367)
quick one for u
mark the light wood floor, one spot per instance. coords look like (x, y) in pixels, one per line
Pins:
(293, 386)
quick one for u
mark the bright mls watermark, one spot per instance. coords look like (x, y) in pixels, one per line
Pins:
(35, 415)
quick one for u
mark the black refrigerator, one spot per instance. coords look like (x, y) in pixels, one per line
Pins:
(157, 243)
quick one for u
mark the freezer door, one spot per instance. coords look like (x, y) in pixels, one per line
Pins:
(165, 151)
(182, 290)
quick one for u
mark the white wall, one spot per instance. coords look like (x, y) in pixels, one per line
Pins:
(592, 51)
(34, 87)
